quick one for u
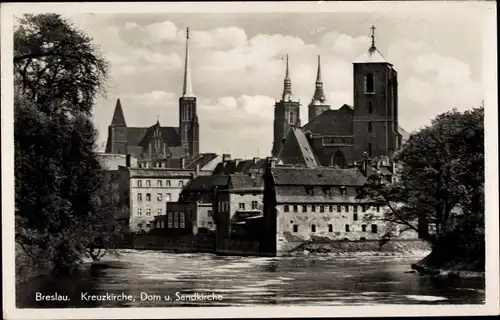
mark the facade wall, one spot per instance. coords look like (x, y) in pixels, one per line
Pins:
(204, 216)
(326, 152)
(295, 228)
(160, 190)
(111, 161)
(248, 201)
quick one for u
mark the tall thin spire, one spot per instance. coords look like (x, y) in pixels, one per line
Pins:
(187, 90)
(373, 48)
(319, 95)
(118, 117)
(287, 91)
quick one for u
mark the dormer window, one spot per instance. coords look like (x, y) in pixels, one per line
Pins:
(369, 84)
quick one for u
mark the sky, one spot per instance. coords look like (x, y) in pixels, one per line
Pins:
(238, 68)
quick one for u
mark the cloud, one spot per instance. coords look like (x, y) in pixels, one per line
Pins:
(151, 34)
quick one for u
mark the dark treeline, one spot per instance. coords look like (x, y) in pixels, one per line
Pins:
(441, 184)
(62, 209)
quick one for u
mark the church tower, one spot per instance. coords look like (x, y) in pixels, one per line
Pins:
(375, 123)
(318, 103)
(286, 114)
(188, 117)
(117, 132)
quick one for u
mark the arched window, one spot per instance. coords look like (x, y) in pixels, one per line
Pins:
(369, 83)
(291, 118)
(338, 160)
(370, 128)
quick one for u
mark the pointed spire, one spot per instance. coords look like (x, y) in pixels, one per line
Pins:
(319, 95)
(373, 48)
(287, 91)
(187, 90)
(118, 117)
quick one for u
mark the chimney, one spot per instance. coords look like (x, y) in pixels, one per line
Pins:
(127, 160)
(271, 162)
(197, 169)
(308, 134)
(183, 163)
(255, 160)
(226, 157)
(237, 161)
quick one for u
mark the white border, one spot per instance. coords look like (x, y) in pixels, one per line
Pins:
(385, 8)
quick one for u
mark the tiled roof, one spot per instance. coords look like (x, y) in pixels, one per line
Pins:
(317, 176)
(299, 194)
(159, 172)
(243, 181)
(244, 165)
(296, 150)
(332, 122)
(206, 183)
(134, 135)
(202, 160)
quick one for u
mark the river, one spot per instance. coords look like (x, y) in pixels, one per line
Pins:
(245, 281)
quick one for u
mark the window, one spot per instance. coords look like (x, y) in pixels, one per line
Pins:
(295, 228)
(148, 196)
(355, 217)
(304, 208)
(242, 206)
(162, 224)
(330, 228)
(255, 204)
(346, 228)
(363, 227)
(370, 108)
(139, 225)
(148, 183)
(346, 208)
(369, 83)
(160, 211)
(159, 183)
(210, 213)
(148, 212)
(139, 211)
(291, 118)
(343, 191)
(295, 208)
(331, 208)
(210, 224)
(355, 208)
(313, 228)
(374, 228)
(181, 183)
(321, 208)
(313, 208)
(370, 127)
(339, 208)
(159, 196)
(167, 183)
(139, 197)
(369, 149)
(167, 197)
(286, 208)
(139, 183)
(182, 220)
(363, 208)
(378, 208)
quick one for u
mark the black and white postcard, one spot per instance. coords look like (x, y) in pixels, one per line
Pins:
(229, 159)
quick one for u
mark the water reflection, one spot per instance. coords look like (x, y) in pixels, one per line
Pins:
(250, 281)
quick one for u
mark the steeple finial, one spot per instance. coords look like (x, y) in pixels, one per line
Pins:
(319, 95)
(373, 38)
(187, 90)
(287, 91)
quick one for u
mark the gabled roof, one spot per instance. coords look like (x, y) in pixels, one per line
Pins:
(207, 183)
(333, 122)
(404, 134)
(168, 134)
(321, 176)
(246, 182)
(296, 150)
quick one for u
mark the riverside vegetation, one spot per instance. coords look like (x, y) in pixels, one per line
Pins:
(63, 205)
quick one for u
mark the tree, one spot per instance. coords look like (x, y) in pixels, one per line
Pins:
(58, 73)
(441, 182)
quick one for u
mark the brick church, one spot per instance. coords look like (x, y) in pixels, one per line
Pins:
(158, 143)
(341, 137)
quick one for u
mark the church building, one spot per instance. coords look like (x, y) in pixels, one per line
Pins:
(340, 137)
(158, 144)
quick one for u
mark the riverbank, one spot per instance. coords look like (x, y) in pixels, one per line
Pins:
(27, 268)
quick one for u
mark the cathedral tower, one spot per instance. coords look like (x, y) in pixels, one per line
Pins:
(375, 123)
(318, 103)
(117, 132)
(286, 113)
(188, 117)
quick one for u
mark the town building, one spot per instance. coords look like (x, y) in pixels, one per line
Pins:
(159, 143)
(110, 161)
(303, 204)
(339, 137)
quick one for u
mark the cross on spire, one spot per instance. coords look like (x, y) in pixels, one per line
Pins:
(373, 37)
